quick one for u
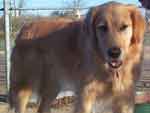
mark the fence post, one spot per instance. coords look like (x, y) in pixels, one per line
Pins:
(7, 40)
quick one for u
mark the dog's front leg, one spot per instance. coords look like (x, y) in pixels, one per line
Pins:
(123, 104)
(85, 99)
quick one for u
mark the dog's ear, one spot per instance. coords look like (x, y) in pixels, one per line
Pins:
(138, 23)
(86, 42)
(89, 20)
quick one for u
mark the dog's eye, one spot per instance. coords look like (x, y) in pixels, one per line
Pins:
(102, 28)
(123, 27)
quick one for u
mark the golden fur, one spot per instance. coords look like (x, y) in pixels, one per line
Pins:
(75, 53)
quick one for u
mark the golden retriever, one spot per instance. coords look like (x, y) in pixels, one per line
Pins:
(100, 57)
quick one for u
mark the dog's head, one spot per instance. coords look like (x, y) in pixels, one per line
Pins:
(115, 28)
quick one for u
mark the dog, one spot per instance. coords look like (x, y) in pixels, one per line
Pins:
(40, 28)
(99, 57)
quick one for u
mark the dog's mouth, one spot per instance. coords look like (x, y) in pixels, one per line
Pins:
(115, 64)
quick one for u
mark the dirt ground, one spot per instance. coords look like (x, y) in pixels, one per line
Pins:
(4, 108)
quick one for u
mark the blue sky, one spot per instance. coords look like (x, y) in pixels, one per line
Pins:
(63, 3)
(60, 3)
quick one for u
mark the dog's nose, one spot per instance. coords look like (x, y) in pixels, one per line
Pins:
(114, 52)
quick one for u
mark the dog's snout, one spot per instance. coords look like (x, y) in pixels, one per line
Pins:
(114, 52)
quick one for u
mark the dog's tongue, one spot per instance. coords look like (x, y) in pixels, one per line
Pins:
(115, 64)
